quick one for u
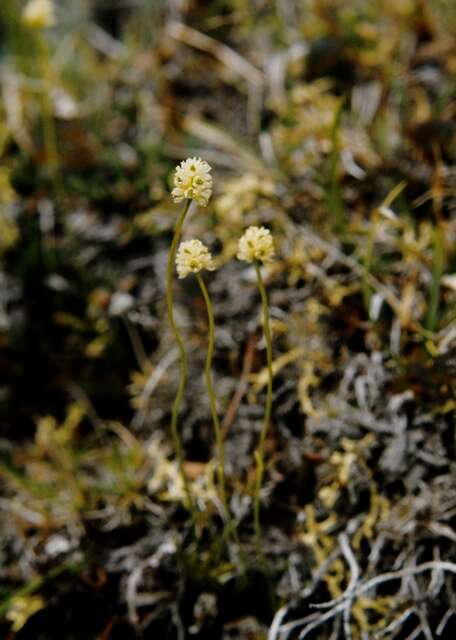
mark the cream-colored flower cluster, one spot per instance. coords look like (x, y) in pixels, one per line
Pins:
(256, 245)
(39, 14)
(192, 180)
(193, 256)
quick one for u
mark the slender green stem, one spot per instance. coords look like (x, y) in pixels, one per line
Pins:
(213, 403)
(137, 344)
(259, 454)
(210, 390)
(438, 266)
(333, 192)
(49, 132)
(372, 234)
(368, 258)
(183, 362)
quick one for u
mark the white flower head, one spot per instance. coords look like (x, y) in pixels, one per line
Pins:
(192, 180)
(256, 244)
(39, 14)
(193, 256)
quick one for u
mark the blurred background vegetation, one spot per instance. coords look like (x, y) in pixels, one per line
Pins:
(331, 122)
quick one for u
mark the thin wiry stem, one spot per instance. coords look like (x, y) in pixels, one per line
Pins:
(259, 454)
(438, 267)
(49, 132)
(210, 389)
(213, 404)
(183, 362)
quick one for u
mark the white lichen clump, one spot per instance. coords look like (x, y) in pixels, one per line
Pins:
(256, 245)
(39, 14)
(192, 181)
(193, 256)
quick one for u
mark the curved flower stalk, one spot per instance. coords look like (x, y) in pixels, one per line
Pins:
(192, 181)
(256, 245)
(193, 257)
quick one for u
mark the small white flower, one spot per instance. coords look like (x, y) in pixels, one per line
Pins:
(192, 180)
(192, 256)
(256, 244)
(39, 14)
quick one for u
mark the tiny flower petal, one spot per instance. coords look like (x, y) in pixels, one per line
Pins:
(256, 244)
(193, 256)
(39, 14)
(193, 181)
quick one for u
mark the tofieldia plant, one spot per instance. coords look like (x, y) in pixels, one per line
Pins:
(193, 257)
(256, 246)
(192, 181)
